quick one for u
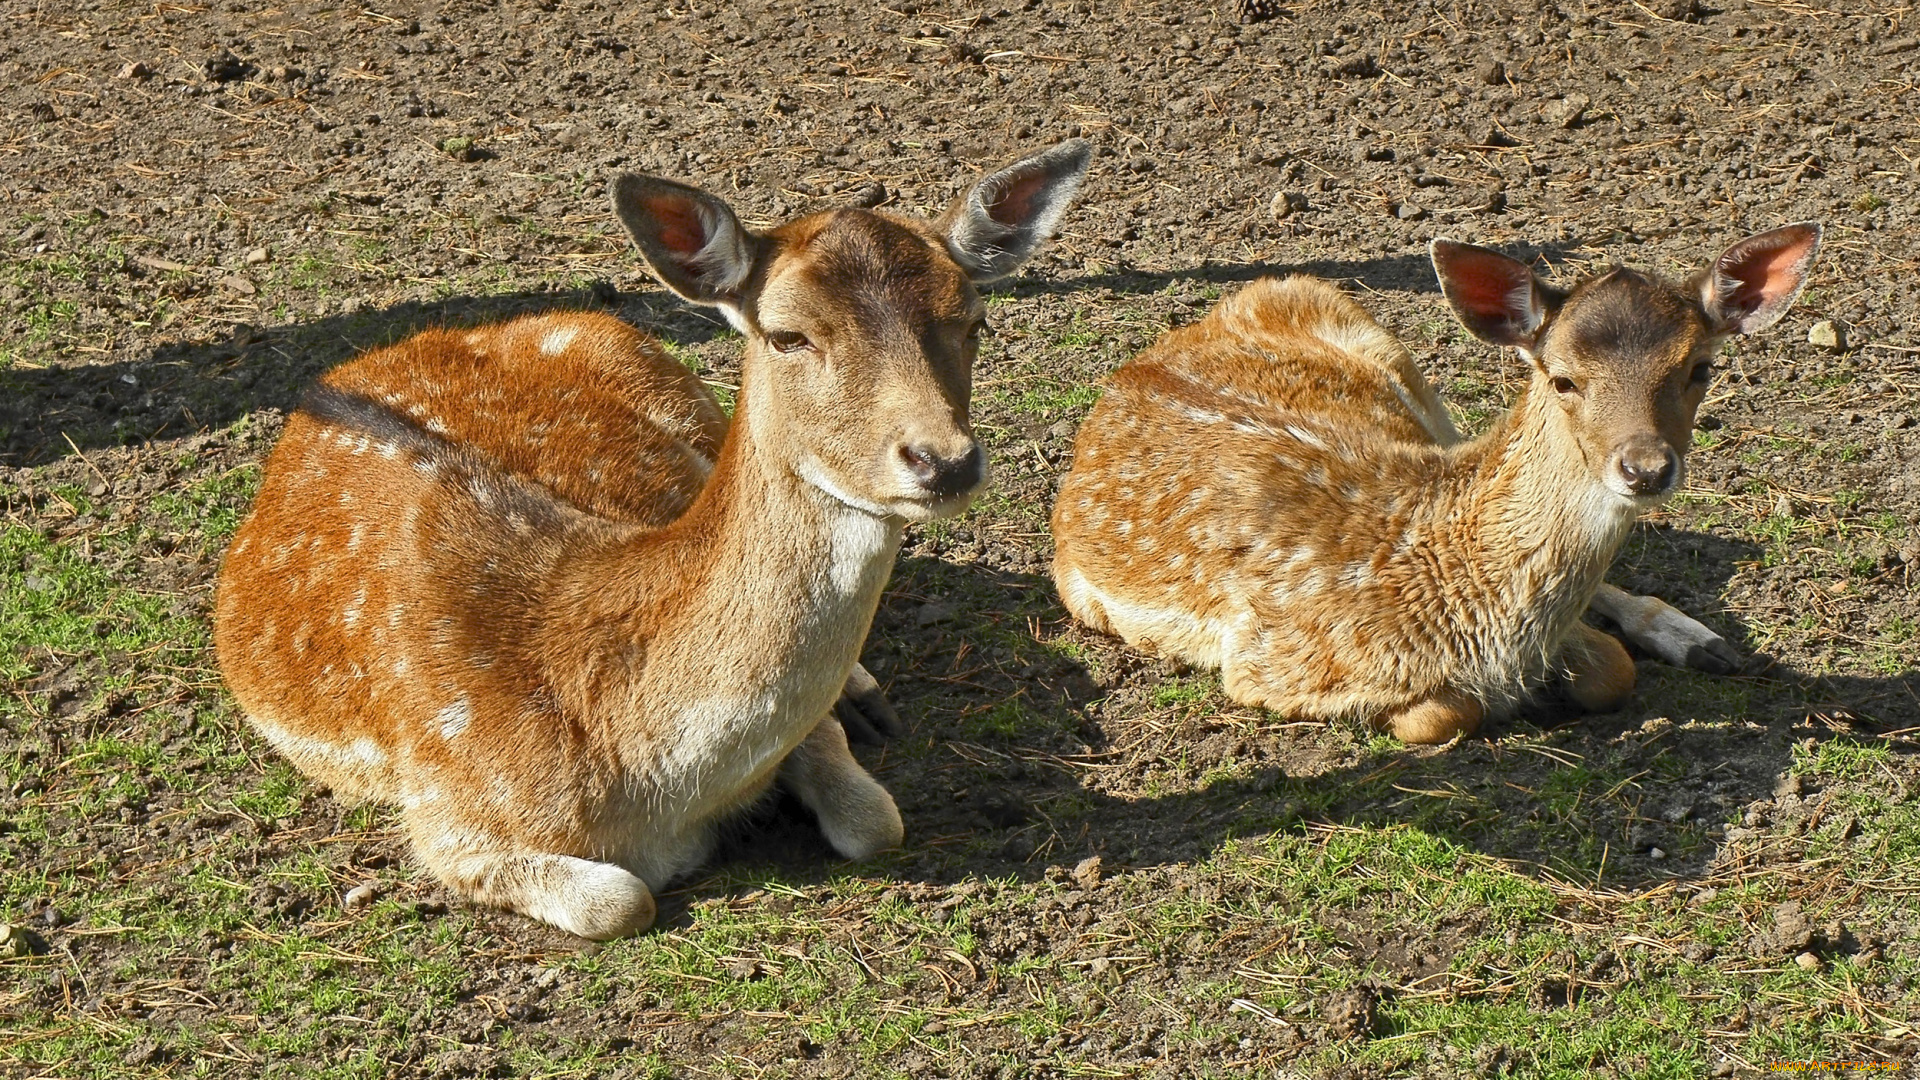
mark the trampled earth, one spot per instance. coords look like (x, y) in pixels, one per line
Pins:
(1110, 869)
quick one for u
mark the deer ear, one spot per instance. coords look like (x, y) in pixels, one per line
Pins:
(691, 240)
(1500, 300)
(1004, 217)
(1755, 281)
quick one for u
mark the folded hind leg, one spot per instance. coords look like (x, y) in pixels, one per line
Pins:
(857, 816)
(1599, 672)
(1436, 719)
(596, 900)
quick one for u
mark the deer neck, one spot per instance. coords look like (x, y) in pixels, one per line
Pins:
(1543, 529)
(744, 616)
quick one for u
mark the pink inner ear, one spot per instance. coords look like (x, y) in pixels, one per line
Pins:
(680, 229)
(1015, 201)
(1483, 285)
(1765, 270)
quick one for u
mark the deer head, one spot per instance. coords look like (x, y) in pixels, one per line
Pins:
(1628, 357)
(861, 326)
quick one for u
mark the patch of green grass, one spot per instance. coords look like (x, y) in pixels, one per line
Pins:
(58, 605)
(1845, 759)
(1055, 402)
(213, 506)
(1187, 692)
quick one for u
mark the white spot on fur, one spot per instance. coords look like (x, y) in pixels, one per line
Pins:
(1306, 436)
(454, 718)
(556, 341)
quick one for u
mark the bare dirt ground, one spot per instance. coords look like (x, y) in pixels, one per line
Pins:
(204, 205)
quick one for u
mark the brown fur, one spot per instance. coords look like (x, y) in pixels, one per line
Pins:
(528, 583)
(1275, 491)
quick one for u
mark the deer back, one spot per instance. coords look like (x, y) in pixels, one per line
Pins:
(1234, 447)
(1276, 491)
(411, 517)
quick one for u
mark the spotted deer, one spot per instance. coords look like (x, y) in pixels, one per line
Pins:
(1277, 492)
(528, 582)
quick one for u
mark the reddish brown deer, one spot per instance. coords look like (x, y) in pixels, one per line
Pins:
(1275, 490)
(527, 581)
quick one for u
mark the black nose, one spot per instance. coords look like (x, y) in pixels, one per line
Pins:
(1649, 471)
(944, 476)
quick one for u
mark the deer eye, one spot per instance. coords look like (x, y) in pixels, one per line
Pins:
(788, 341)
(1564, 385)
(979, 330)
(1702, 372)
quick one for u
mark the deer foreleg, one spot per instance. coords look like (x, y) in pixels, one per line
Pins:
(1664, 631)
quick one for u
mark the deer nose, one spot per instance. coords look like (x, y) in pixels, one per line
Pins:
(1648, 469)
(947, 474)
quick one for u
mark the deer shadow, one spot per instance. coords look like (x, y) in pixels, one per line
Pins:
(1034, 751)
(184, 387)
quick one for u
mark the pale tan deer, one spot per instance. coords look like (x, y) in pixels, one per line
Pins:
(527, 582)
(1275, 490)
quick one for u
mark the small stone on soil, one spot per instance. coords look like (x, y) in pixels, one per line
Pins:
(1253, 11)
(1087, 871)
(1350, 1014)
(257, 256)
(1827, 335)
(1492, 73)
(1285, 204)
(1791, 930)
(360, 896)
(1807, 961)
(134, 70)
(1567, 111)
(16, 941)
